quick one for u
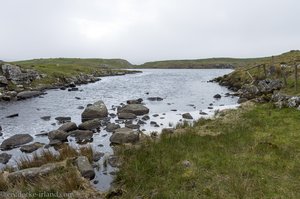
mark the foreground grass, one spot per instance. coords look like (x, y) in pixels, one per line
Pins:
(65, 182)
(253, 153)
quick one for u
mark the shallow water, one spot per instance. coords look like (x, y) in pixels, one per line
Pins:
(184, 90)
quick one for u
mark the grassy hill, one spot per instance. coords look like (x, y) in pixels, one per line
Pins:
(102, 63)
(221, 62)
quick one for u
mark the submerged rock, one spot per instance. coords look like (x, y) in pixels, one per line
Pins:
(137, 101)
(28, 94)
(187, 116)
(217, 96)
(155, 98)
(15, 141)
(13, 115)
(63, 119)
(46, 118)
(146, 117)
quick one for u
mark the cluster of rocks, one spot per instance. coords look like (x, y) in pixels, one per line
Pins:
(260, 91)
(267, 90)
(281, 100)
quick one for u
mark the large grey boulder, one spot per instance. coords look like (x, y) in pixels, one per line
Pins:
(90, 124)
(28, 94)
(136, 109)
(85, 168)
(15, 141)
(4, 158)
(69, 126)
(124, 135)
(58, 135)
(82, 136)
(97, 110)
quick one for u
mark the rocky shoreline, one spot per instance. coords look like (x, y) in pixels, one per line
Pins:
(16, 83)
(261, 91)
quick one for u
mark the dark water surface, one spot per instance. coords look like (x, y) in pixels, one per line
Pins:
(185, 90)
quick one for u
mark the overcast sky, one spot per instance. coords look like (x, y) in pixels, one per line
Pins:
(147, 30)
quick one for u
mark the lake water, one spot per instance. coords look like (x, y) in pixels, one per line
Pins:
(183, 90)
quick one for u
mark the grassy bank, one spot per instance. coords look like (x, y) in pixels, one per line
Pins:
(248, 153)
(221, 62)
(58, 70)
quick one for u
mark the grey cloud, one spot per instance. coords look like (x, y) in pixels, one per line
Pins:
(147, 30)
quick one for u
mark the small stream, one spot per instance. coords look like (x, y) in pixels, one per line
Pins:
(182, 90)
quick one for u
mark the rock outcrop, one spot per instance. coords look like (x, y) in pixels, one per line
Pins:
(19, 76)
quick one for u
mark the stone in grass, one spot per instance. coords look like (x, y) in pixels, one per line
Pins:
(85, 168)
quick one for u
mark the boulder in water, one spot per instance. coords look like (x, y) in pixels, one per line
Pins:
(97, 110)
(15, 141)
